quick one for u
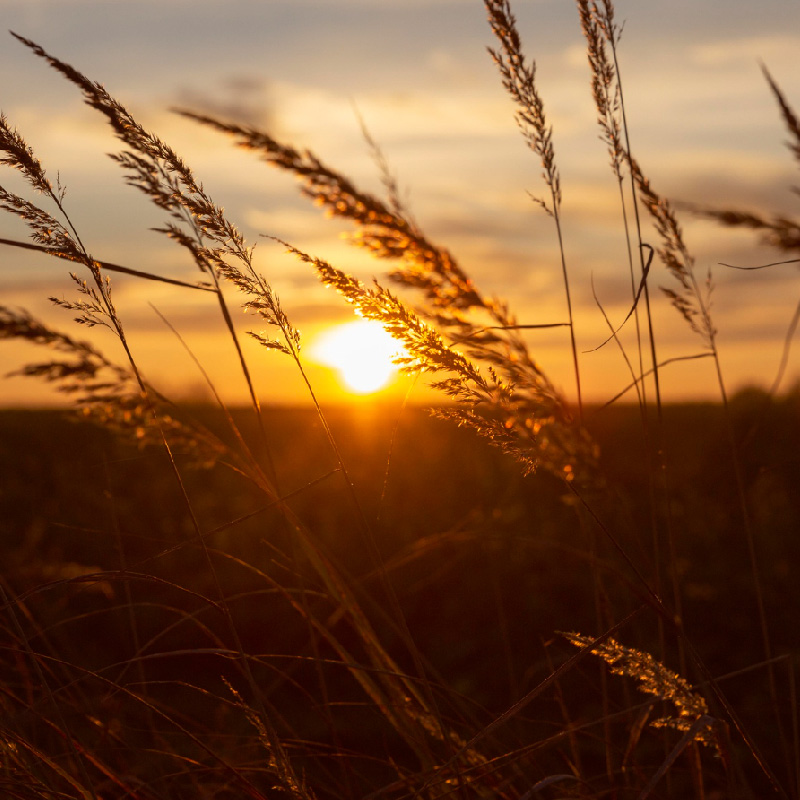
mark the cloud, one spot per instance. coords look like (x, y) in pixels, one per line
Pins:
(736, 53)
(241, 98)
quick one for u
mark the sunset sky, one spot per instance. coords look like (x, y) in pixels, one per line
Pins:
(704, 127)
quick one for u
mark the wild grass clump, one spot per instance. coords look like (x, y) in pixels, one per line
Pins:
(256, 628)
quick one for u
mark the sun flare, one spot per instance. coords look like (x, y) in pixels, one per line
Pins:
(361, 352)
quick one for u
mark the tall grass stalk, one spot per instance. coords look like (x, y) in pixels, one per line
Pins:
(693, 301)
(519, 80)
(782, 233)
(602, 36)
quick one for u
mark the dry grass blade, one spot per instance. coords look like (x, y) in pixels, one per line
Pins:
(289, 785)
(633, 308)
(655, 679)
(519, 80)
(533, 428)
(20, 156)
(44, 228)
(599, 29)
(787, 344)
(105, 393)
(692, 300)
(787, 113)
(154, 167)
(196, 222)
(109, 267)
(387, 232)
(777, 231)
(551, 679)
(603, 36)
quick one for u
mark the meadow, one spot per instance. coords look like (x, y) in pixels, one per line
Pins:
(513, 594)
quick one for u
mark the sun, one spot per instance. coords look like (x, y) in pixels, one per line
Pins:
(362, 352)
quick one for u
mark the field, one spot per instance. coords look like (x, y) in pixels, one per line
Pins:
(514, 594)
(486, 567)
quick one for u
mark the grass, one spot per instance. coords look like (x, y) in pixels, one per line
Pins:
(271, 602)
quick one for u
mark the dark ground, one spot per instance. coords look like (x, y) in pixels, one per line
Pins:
(487, 565)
